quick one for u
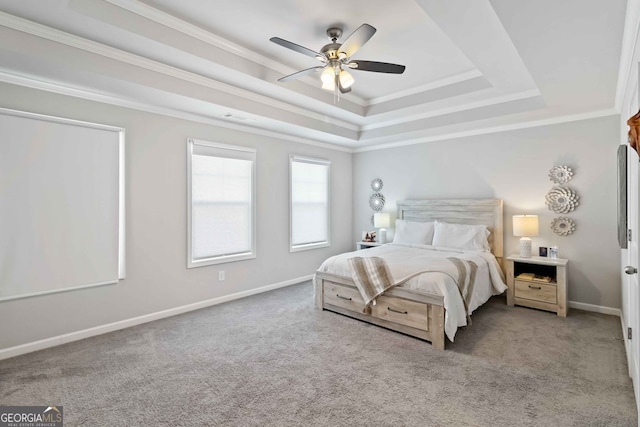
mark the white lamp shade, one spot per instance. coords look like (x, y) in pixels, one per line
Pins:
(381, 220)
(525, 225)
(346, 79)
(328, 78)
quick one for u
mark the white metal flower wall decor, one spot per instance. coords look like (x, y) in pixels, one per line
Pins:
(561, 200)
(560, 174)
(563, 226)
(376, 201)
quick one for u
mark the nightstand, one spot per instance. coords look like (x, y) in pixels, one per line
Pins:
(366, 245)
(528, 287)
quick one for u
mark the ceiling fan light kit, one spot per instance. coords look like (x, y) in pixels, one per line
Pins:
(336, 55)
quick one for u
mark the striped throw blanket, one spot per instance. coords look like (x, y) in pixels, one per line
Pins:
(372, 277)
(466, 280)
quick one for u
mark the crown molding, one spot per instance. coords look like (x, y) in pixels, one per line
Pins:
(629, 44)
(52, 34)
(32, 83)
(455, 109)
(184, 27)
(494, 129)
(456, 78)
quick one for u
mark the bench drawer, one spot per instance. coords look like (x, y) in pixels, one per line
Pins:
(343, 296)
(402, 311)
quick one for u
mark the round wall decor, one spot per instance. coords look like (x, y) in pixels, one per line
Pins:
(376, 185)
(563, 226)
(560, 174)
(561, 200)
(376, 201)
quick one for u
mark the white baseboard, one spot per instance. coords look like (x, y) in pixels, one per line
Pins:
(122, 324)
(595, 308)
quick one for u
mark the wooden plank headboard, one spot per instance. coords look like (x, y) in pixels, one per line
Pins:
(459, 211)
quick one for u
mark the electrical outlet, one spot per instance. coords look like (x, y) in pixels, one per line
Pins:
(221, 275)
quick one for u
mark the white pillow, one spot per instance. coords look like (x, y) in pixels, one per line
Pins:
(462, 236)
(409, 232)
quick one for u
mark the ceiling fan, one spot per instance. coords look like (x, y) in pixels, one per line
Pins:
(335, 56)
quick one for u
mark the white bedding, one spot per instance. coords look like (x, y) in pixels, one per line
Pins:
(404, 261)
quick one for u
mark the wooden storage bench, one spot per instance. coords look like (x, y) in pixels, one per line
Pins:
(414, 313)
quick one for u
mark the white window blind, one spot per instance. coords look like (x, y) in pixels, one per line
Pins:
(309, 203)
(221, 203)
(61, 204)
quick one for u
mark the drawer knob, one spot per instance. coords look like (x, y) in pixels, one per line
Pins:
(341, 297)
(629, 269)
(397, 311)
(535, 287)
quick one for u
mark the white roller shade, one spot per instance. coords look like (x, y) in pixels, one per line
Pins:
(309, 203)
(221, 203)
(61, 204)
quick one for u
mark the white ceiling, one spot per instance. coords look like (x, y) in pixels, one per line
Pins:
(472, 65)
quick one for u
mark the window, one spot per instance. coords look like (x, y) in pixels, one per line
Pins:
(221, 203)
(309, 186)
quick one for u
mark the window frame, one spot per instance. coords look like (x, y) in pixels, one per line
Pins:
(219, 259)
(316, 245)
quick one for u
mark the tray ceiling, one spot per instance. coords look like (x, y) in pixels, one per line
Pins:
(470, 65)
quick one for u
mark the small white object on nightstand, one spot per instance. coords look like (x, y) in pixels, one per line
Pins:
(525, 226)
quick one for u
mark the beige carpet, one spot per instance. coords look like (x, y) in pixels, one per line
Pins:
(272, 359)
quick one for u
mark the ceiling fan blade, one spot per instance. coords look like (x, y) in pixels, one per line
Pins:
(378, 67)
(300, 73)
(357, 39)
(300, 49)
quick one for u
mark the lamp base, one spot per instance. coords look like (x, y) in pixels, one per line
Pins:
(382, 235)
(525, 247)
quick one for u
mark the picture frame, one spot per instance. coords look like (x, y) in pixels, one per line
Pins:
(553, 252)
(622, 197)
(369, 236)
(543, 251)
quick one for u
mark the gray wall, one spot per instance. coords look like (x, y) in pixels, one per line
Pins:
(513, 166)
(157, 277)
(509, 165)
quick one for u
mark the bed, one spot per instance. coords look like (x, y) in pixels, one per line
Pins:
(427, 302)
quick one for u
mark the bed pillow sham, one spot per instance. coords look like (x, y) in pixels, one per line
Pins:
(461, 236)
(412, 233)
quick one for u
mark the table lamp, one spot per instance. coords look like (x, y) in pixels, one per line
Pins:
(382, 220)
(525, 226)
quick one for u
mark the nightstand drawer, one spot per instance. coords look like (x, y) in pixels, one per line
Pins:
(536, 291)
